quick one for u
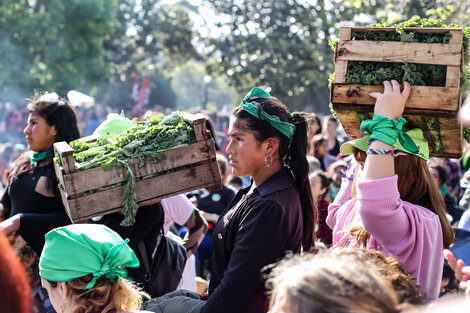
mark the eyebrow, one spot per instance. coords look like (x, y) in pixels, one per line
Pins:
(236, 133)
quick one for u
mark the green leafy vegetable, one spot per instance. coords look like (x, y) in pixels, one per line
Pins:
(148, 138)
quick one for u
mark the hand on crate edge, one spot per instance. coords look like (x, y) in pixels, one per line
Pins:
(391, 103)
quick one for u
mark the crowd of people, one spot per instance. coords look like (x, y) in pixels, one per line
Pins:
(306, 221)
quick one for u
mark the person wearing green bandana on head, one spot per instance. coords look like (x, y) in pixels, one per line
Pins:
(265, 220)
(388, 200)
(82, 268)
(32, 205)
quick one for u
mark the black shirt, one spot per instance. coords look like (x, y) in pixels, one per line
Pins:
(256, 230)
(39, 213)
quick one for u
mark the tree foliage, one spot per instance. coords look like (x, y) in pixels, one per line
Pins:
(52, 45)
(283, 44)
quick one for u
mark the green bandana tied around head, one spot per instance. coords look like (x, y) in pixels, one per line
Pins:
(77, 250)
(388, 131)
(38, 156)
(287, 129)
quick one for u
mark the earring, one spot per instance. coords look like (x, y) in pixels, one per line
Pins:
(268, 163)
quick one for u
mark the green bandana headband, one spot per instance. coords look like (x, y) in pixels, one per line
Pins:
(38, 156)
(388, 131)
(287, 129)
(77, 250)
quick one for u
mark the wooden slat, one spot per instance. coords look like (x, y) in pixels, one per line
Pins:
(148, 191)
(199, 124)
(390, 51)
(453, 72)
(341, 67)
(451, 137)
(79, 182)
(421, 97)
(66, 156)
(450, 130)
(423, 30)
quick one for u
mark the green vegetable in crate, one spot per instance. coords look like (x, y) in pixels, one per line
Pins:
(143, 139)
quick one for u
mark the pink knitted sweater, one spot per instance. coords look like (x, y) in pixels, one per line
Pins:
(409, 232)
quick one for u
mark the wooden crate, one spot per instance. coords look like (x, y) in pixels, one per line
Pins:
(184, 169)
(351, 101)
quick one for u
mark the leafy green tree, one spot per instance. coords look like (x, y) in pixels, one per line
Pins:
(284, 44)
(279, 44)
(52, 45)
(150, 38)
(195, 89)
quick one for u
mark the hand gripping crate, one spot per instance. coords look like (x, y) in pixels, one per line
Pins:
(184, 169)
(433, 109)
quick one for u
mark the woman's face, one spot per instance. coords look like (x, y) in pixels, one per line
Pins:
(245, 153)
(322, 149)
(39, 135)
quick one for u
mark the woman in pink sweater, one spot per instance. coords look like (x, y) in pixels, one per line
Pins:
(389, 201)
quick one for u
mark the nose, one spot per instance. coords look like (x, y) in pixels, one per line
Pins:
(26, 130)
(229, 147)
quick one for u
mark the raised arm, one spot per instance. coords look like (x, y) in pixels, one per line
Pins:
(390, 104)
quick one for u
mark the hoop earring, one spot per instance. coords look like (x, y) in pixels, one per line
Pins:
(268, 163)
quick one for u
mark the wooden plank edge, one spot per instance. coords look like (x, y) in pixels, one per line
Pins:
(359, 94)
(429, 53)
(205, 151)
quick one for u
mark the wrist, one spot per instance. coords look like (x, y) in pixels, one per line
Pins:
(377, 144)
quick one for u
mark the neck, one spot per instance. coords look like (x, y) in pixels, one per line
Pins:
(264, 173)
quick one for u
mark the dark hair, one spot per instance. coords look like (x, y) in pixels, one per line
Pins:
(332, 119)
(317, 118)
(325, 181)
(57, 112)
(317, 141)
(441, 172)
(292, 151)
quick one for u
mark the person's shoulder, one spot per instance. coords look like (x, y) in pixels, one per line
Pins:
(420, 211)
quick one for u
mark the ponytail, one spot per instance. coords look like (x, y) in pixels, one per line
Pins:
(293, 153)
(296, 160)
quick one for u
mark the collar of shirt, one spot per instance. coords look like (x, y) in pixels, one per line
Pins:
(278, 181)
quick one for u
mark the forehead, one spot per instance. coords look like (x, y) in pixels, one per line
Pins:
(237, 126)
(34, 115)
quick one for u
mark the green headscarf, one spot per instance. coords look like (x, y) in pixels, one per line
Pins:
(77, 250)
(287, 129)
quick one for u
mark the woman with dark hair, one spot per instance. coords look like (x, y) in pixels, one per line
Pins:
(273, 215)
(31, 202)
(391, 202)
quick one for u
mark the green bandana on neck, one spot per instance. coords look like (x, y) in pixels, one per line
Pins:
(287, 129)
(77, 250)
(38, 156)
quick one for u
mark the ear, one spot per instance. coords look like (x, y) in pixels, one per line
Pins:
(271, 146)
(64, 290)
(53, 130)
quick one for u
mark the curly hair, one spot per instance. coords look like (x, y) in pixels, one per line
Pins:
(108, 296)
